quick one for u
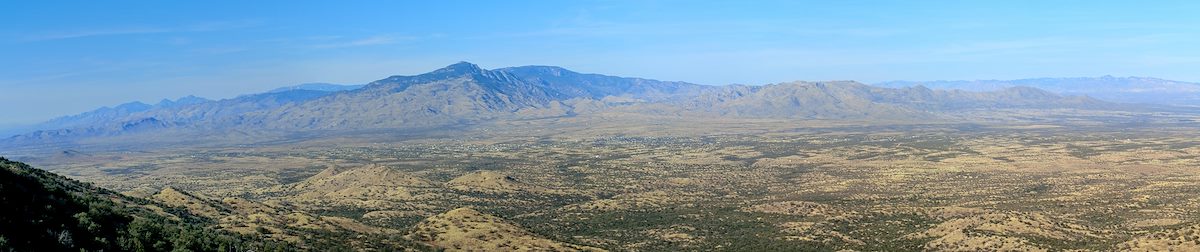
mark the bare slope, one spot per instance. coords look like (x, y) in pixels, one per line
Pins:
(357, 186)
(465, 229)
(489, 181)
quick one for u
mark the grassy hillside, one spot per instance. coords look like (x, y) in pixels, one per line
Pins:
(47, 212)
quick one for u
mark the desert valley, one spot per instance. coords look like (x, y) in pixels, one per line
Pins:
(543, 158)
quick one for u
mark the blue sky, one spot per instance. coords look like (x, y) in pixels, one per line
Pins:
(61, 57)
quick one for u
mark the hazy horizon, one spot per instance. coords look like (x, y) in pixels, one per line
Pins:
(102, 54)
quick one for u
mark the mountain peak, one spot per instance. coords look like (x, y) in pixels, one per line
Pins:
(186, 100)
(462, 67)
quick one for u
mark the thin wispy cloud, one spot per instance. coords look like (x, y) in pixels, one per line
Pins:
(360, 42)
(221, 25)
(65, 75)
(369, 41)
(220, 50)
(731, 28)
(140, 30)
(96, 33)
(1017, 45)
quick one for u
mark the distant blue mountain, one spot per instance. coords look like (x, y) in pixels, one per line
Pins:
(1108, 88)
(182, 101)
(169, 113)
(107, 114)
(327, 87)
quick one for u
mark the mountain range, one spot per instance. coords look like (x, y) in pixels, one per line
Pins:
(465, 93)
(1108, 88)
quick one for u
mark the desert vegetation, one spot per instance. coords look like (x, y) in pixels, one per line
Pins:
(915, 187)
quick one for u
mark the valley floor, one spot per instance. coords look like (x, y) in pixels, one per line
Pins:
(929, 187)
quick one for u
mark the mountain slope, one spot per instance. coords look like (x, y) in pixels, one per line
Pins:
(567, 84)
(832, 100)
(44, 211)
